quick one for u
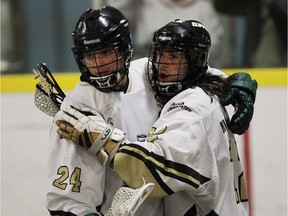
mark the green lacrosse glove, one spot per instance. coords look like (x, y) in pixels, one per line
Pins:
(242, 96)
(88, 129)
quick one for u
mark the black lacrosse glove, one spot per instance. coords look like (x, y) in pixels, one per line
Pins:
(242, 96)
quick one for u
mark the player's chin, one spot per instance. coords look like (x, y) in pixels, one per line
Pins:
(164, 79)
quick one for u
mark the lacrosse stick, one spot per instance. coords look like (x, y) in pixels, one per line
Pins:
(127, 200)
(48, 95)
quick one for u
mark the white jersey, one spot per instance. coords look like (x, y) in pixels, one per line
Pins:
(190, 155)
(77, 182)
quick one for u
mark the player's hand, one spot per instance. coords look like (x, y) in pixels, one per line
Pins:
(87, 128)
(242, 96)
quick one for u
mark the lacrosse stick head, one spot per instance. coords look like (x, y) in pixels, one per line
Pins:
(127, 200)
(44, 103)
(48, 95)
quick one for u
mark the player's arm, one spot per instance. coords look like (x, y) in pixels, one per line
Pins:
(148, 160)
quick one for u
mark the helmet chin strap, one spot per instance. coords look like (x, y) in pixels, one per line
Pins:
(107, 81)
(169, 88)
(110, 82)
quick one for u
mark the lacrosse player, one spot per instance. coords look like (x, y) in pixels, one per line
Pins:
(79, 182)
(190, 154)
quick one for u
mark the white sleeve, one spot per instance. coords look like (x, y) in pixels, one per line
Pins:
(217, 72)
(75, 178)
(177, 155)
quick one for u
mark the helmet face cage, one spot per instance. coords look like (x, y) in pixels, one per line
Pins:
(167, 88)
(187, 38)
(117, 65)
(95, 32)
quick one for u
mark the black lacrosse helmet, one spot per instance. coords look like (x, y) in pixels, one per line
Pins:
(188, 37)
(97, 30)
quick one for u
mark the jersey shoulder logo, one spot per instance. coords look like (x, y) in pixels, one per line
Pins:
(180, 104)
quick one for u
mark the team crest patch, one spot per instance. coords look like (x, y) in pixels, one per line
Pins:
(180, 104)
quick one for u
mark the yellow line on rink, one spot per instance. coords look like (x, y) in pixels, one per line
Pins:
(266, 77)
(27, 82)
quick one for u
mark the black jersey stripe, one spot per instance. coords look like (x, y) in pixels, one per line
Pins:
(193, 212)
(61, 213)
(151, 168)
(172, 169)
(212, 213)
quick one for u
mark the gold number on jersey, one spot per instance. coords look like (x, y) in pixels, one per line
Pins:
(239, 178)
(63, 171)
(242, 188)
(154, 132)
(240, 191)
(75, 180)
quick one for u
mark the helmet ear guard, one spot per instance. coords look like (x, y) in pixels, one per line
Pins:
(187, 37)
(105, 28)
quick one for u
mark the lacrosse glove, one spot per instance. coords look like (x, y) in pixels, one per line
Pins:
(242, 96)
(88, 129)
